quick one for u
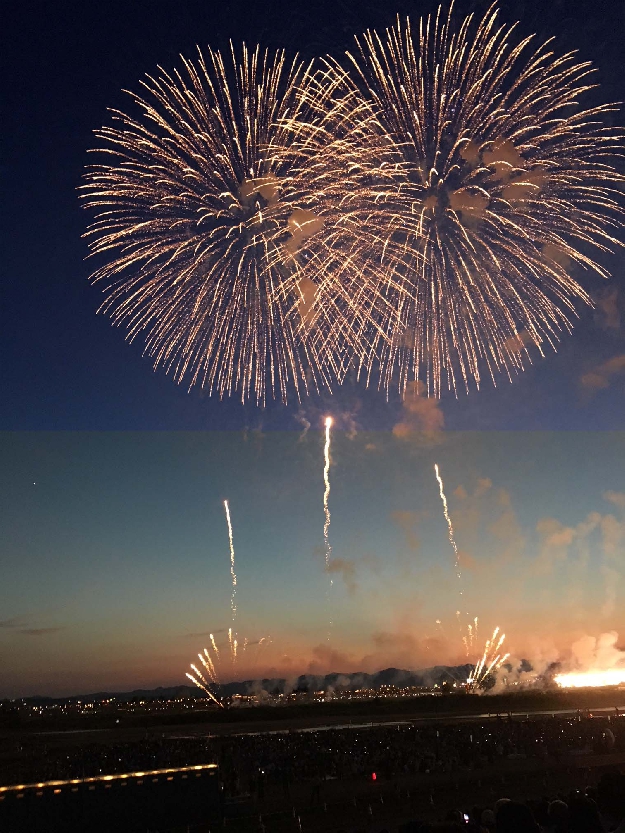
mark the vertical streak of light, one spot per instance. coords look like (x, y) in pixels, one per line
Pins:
(450, 528)
(452, 541)
(326, 509)
(233, 575)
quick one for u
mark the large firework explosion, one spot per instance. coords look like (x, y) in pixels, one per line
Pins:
(490, 184)
(200, 234)
(414, 214)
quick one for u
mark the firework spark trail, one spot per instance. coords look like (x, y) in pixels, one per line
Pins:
(212, 663)
(491, 660)
(450, 528)
(233, 575)
(326, 508)
(231, 645)
(206, 665)
(203, 684)
(204, 688)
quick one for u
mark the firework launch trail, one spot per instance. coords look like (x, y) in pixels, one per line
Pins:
(326, 511)
(452, 539)
(233, 575)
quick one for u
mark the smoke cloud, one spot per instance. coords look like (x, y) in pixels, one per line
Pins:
(422, 419)
(601, 376)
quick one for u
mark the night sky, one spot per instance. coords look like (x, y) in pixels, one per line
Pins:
(114, 551)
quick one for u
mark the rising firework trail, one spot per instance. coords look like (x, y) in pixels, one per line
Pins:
(233, 575)
(326, 497)
(471, 634)
(450, 528)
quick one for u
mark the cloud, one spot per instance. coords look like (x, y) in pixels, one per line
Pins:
(611, 579)
(346, 568)
(613, 534)
(327, 659)
(300, 416)
(556, 538)
(600, 653)
(14, 622)
(408, 521)
(422, 419)
(484, 484)
(608, 313)
(40, 631)
(518, 342)
(600, 377)
(617, 498)
(402, 649)
(506, 528)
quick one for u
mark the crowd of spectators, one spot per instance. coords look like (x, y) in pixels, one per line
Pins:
(337, 753)
(250, 764)
(598, 809)
(407, 749)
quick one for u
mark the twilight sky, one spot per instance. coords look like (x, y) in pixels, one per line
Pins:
(114, 555)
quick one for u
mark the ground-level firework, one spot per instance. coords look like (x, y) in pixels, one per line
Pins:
(490, 662)
(210, 678)
(591, 679)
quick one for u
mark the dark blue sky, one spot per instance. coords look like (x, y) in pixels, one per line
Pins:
(114, 552)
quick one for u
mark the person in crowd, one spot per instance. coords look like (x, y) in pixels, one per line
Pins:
(558, 817)
(583, 815)
(611, 799)
(514, 817)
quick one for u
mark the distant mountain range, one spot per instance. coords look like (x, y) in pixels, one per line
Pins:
(304, 683)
